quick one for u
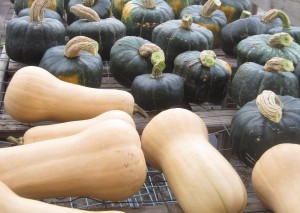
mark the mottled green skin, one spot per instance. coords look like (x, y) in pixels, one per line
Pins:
(173, 40)
(101, 7)
(214, 23)
(157, 93)
(251, 134)
(27, 41)
(251, 79)
(232, 33)
(293, 31)
(125, 61)
(141, 21)
(202, 84)
(47, 14)
(86, 69)
(256, 49)
(22, 4)
(106, 32)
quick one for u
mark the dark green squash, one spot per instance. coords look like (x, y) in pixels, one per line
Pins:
(233, 9)
(206, 78)
(177, 36)
(47, 14)
(77, 62)
(56, 5)
(178, 5)
(28, 37)
(142, 16)
(263, 47)
(157, 91)
(101, 7)
(252, 78)
(105, 31)
(286, 27)
(248, 25)
(117, 8)
(263, 123)
(208, 16)
(130, 56)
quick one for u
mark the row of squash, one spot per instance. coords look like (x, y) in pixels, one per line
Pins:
(96, 151)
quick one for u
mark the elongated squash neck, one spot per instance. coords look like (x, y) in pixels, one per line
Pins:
(209, 7)
(84, 12)
(37, 10)
(78, 43)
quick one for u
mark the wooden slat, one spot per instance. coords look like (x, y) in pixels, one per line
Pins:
(3, 67)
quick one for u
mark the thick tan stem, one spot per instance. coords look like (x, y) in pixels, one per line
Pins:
(209, 7)
(149, 4)
(147, 49)
(158, 61)
(208, 58)
(37, 10)
(78, 43)
(84, 12)
(270, 106)
(88, 3)
(271, 15)
(186, 21)
(280, 40)
(277, 64)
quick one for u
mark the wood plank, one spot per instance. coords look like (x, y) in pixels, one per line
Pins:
(3, 67)
(291, 7)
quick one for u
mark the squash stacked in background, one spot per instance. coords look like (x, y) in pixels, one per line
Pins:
(76, 62)
(263, 123)
(176, 142)
(27, 38)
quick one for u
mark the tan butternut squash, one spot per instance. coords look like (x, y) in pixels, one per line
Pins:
(12, 203)
(176, 142)
(104, 161)
(276, 176)
(57, 130)
(34, 94)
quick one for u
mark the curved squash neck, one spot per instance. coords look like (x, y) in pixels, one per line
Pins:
(37, 10)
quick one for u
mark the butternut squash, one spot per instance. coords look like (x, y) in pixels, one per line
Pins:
(12, 203)
(276, 176)
(176, 142)
(104, 161)
(34, 94)
(57, 130)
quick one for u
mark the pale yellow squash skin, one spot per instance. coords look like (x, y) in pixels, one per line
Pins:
(12, 203)
(176, 142)
(51, 131)
(276, 176)
(36, 95)
(104, 161)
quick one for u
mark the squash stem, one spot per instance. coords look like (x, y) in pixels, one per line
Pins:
(208, 58)
(245, 14)
(209, 7)
(147, 49)
(37, 10)
(84, 12)
(15, 141)
(78, 43)
(280, 40)
(186, 21)
(277, 64)
(158, 61)
(270, 106)
(139, 110)
(272, 14)
(89, 3)
(148, 4)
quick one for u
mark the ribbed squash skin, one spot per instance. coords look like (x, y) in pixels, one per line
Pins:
(256, 49)
(176, 142)
(202, 84)
(56, 5)
(141, 21)
(125, 61)
(85, 70)
(275, 178)
(104, 161)
(251, 134)
(214, 23)
(47, 13)
(26, 41)
(117, 8)
(12, 203)
(106, 32)
(251, 79)
(101, 7)
(232, 33)
(173, 40)
(35, 95)
(178, 5)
